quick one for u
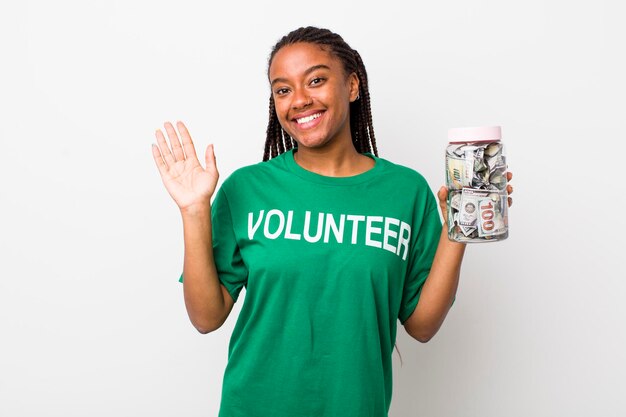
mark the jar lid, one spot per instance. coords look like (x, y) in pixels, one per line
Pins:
(475, 134)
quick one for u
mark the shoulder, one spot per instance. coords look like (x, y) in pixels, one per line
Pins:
(413, 185)
(404, 174)
(256, 173)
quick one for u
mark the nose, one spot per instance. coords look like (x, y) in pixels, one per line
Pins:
(300, 99)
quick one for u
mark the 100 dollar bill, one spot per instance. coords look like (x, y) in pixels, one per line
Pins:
(484, 210)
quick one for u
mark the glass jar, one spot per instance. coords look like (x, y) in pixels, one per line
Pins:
(476, 179)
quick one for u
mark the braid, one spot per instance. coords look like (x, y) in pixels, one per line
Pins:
(365, 112)
(271, 129)
(278, 140)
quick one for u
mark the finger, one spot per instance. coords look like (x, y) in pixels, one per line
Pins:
(509, 176)
(164, 148)
(211, 160)
(188, 148)
(510, 201)
(158, 158)
(509, 189)
(442, 194)
(179, 155)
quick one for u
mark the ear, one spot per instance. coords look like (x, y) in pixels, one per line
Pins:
(354, 87)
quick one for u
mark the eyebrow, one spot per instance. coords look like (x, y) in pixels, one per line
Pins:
(307, 72)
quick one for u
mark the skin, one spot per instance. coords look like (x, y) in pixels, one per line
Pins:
(191, 186)
(442, 282)
(304, 79)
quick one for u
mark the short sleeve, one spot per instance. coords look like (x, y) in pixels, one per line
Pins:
(424, 246)
(231, 270)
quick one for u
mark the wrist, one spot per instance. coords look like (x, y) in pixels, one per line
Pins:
(196, 210)
(447, 241)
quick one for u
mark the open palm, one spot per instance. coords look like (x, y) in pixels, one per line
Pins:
(184, 178)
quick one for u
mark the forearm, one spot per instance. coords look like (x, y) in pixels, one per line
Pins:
(204, 299)
(439, 289)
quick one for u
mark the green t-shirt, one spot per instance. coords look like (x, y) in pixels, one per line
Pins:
(329, 265)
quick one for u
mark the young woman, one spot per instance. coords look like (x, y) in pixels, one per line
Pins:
(333, 244)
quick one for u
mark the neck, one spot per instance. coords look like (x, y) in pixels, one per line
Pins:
(335, 161)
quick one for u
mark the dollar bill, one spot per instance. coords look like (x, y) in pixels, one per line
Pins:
(467, 230)
(459, 172)
(481, 166)
(476, 176)
(492, 215)
(469, 212)
(455, 200)
(484, 210)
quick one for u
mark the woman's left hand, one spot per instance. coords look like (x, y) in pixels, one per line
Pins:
(443, 197)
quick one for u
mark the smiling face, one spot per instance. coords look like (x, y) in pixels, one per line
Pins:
(312, 94)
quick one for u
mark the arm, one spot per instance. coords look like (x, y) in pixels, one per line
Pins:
(191, 186)
(207, 301)
(442, 282)
(439, 290)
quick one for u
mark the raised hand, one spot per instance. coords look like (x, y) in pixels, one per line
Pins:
(186, 181)
(442, 194)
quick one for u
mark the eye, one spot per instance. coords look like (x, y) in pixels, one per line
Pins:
(281, 91)
(317, 80)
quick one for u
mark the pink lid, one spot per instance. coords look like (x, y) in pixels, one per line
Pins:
(475, 134)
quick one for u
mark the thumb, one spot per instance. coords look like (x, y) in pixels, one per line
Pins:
(442, 194)
(209, 158)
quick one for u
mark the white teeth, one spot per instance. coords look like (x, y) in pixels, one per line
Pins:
(309, 118)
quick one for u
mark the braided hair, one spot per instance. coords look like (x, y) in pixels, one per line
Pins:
(278, 140)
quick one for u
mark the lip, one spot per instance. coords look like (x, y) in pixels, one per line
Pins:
(311, 124)
(305, 114)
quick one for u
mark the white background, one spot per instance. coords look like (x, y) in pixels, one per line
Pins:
(92, 317)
